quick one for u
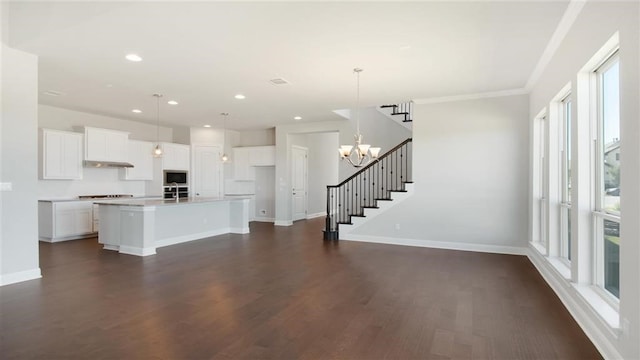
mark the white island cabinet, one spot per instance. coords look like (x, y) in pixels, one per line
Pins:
(138, 227)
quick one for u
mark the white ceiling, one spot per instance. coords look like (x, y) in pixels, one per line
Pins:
(203, 53)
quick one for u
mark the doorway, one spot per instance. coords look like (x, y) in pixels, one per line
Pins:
(299, 181)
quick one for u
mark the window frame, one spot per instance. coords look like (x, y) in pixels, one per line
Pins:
(565, 110)
(599, 214)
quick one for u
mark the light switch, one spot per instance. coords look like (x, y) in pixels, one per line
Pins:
(6, 186)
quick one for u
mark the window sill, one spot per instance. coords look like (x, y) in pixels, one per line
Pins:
(539, 247)
(607, 312)
(561, 267)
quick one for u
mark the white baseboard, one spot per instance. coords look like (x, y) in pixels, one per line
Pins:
(316, 215)
(184, 238)
(596, 328)
(137, 251)
(264, 219)
(111, 247)
(283, 223)
(497, 249)
(20, 276)
(239, 230)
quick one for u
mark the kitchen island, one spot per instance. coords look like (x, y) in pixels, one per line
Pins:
(138, 227)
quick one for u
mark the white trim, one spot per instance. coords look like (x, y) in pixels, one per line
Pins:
(239, 230)
(20, 276)
(138, 251)
(484, 95)
(598, 329)
(190, 237)
(566, 22)
(263, 219)
(67, 238)
(316, 215)
(497, 249)
(111, 247)
(283, 223)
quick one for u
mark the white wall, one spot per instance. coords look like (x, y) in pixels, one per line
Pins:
(95, 181)
(265, 192)
(471, 169)
(257, 137)
(323, 169)
(596, 23)
(18, 164)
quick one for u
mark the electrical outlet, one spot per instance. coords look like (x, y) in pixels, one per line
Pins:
(397, 226)
(263, 212)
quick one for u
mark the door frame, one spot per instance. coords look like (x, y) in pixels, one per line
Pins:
(306, 182)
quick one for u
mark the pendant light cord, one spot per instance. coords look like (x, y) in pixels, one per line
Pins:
(357, 71)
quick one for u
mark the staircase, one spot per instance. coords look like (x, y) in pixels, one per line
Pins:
(401, 113)
(369, 188)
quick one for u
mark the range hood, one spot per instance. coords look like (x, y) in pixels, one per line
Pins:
(107, 164)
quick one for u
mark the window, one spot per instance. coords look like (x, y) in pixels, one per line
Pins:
(565, 188)
(540, 181)
(607, 177)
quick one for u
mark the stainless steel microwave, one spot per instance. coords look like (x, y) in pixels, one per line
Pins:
(179, 177)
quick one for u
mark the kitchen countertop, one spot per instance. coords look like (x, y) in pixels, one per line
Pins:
(166, 202)
(104, 199)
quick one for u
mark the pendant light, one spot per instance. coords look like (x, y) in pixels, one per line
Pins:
(360, 154)
(224, 157)
(157, 151)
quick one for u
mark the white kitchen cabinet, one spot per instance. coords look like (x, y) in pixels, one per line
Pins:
(106, 145)
(65, 220)
(242, 169)
(141, 157)
(262, 155)
(175, 156)
(61, 155)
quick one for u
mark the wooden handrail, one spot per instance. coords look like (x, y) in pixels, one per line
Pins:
(372, 163)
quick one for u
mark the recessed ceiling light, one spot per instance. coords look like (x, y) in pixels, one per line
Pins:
(297, 118)
(207, 126)
(133, 57)
(240, 96)
(137, 111)
(172, 102)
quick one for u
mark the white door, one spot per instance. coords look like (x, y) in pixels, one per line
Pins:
(299, 182)
(206, 171)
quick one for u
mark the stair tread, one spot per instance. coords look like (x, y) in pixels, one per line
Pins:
(384, 199)
(407, 120)
(398, 190)
(388, 106)
(371, 207)
(358, 215)
(345, 223)
(399, 113)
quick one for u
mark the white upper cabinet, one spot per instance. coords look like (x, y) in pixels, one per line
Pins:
(106, 145)
(141, 157)
(242, 169)
(175, 156)
(61, 157)
(262, 155)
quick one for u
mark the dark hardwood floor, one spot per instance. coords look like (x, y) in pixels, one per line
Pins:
(281, 293)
